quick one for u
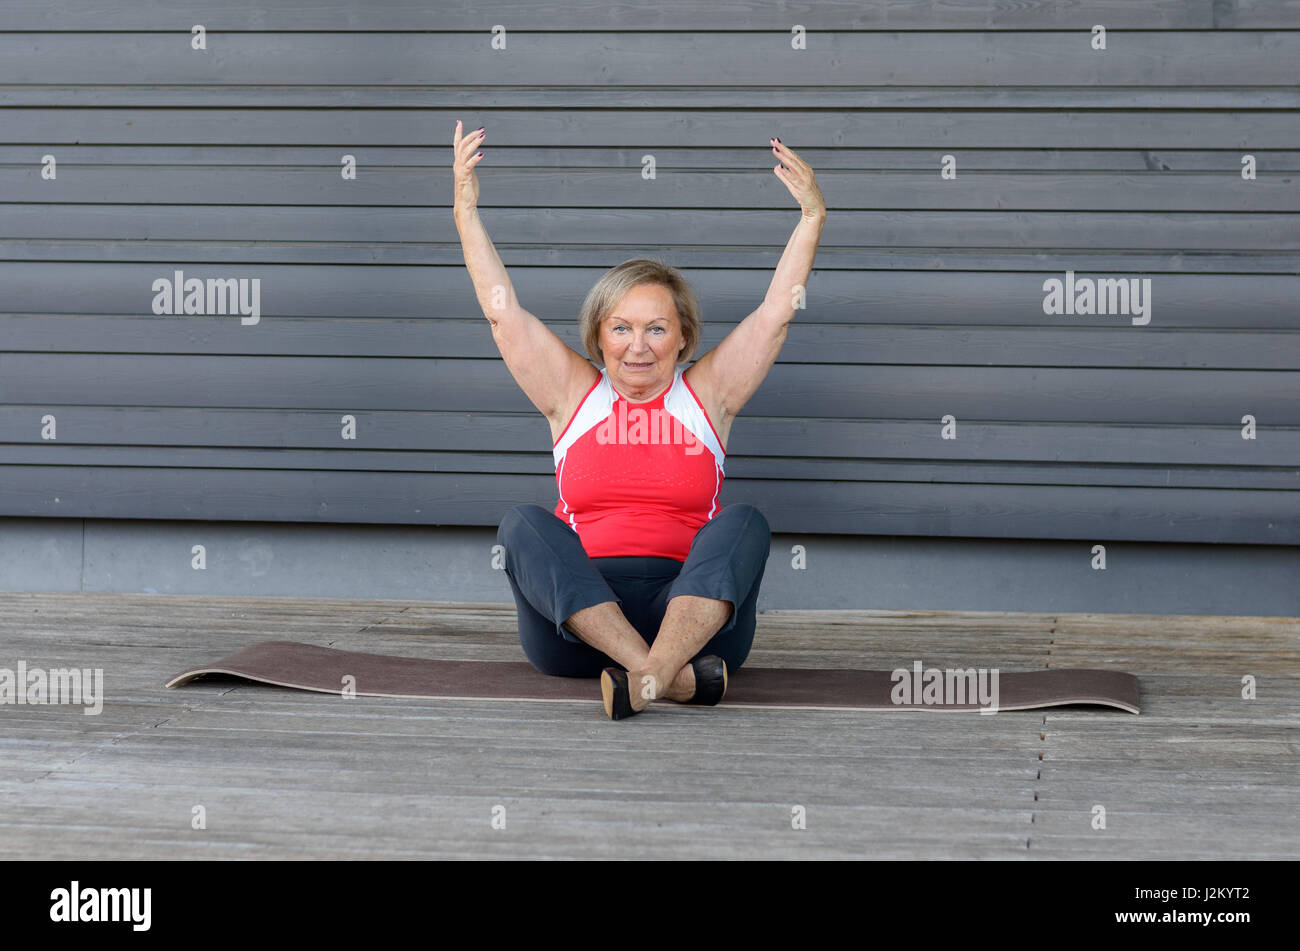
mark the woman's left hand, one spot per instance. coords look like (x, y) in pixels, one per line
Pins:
(798, 177)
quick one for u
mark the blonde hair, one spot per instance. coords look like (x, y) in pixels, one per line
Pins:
(617, 281)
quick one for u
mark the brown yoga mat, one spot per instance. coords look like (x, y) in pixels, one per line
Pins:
(306, 667)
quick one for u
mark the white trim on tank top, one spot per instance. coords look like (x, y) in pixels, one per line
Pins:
(679, 402)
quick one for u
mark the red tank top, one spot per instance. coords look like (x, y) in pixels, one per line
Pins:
(638, 478)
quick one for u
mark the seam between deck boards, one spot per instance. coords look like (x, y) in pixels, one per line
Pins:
(1042, 737)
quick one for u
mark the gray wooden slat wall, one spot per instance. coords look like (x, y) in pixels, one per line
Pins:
(926, 299)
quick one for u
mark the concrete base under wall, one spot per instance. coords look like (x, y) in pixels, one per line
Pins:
(860, 572)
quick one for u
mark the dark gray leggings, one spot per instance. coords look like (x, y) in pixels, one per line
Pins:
(552, 578)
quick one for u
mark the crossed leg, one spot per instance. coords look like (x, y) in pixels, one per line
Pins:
(662, 669)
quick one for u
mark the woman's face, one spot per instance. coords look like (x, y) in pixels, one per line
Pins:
(641, 341)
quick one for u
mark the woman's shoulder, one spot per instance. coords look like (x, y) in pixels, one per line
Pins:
(713, 410)
(579, 388)
(698, 387)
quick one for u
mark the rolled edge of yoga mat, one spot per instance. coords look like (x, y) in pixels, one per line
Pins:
(323, 669)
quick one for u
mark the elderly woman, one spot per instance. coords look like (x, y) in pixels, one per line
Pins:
(639, 575)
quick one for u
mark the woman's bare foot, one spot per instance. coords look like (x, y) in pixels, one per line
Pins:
(683, 687)
(643, 687)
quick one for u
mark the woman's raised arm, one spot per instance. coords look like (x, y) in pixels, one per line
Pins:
(545, 367)
(733, 370)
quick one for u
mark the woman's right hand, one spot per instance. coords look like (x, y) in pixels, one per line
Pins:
(466, 160)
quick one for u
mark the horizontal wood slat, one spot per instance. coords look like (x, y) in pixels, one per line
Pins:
(1188, 231)
(688, 155)
(356, 385)
(807, 341)
(349, 129)
(798, 438)
(580, 15)
(349, 458)
(433, 95)
(591, 187)
(994, 511)
(934, 263)
(741, 59)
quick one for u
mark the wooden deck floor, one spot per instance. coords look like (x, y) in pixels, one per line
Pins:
(1200, 773)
